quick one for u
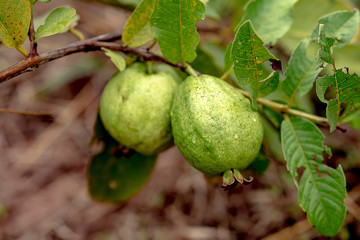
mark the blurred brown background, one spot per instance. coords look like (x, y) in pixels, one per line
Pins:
(43, 188)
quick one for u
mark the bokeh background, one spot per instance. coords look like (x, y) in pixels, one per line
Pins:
(43, 162)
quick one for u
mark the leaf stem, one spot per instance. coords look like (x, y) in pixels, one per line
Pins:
(227, 73)
(190, 70)
(22, 50)
(77, 33)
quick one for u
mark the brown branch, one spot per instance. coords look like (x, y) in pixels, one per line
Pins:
(91, 44)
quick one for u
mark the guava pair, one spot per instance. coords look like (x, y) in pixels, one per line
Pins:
(211, 123)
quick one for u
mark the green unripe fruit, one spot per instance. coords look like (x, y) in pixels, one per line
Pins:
(214, 126)
(135, 109)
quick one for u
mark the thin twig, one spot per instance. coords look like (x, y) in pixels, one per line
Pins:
(45, 116)
(92, 44)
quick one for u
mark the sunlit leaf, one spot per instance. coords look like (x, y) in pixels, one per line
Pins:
(271, 18)
(15, 16)
(341, 25)
(137, 29)
(247, 53)
(173, 23)
(116, 58)
(58, 21)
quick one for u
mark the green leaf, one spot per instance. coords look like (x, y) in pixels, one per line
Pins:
(116, 179)
(302, 71)
(173, 23)
(113, 178)
(116, 58)
(341, 25)
(346, 97)
(321, 189)
(58, 21)
(247, 53)
(271, 18)
(44, 1)
(15, 19)
(325, 46)
(269, 84)
(137, 29)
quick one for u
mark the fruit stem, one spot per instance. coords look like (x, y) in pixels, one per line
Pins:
(190, 70)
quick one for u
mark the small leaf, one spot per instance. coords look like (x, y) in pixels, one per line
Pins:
(137, 29)
(116, 179)
(325, 46)
(341, 25)
(173, 23)
(15, 19)
(248, 53)
(116, 174)
(302, 71)
(44, 1)
(347, 95)
(58, 21)
(116, 58)
(271, 18)
(321, 189)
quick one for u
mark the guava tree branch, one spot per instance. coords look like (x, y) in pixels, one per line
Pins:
(92, 44)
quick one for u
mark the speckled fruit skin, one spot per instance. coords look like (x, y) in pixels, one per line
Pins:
(214, 126)
(135, 109)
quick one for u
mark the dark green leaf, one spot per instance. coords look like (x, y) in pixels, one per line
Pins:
(116, 179)
(137, 29)
(15, 18)
(302, 71)
(248, 53)
(58, 21)
(116, 173)
(321, 189)
(347, 95)
(173, 23)
(271, 18)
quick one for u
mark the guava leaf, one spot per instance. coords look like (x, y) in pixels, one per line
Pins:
(58, 21)
(114, 177)
(173, 23)
(301, 72)
(116, 58)
(15, 19)
(247, 53)
(341, 25)
(271, 19)
(321, 189)
(346, 98)
(44, 1)
(325, 46)
(137, 29)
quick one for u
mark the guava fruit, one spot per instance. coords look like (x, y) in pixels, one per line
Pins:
(135, 109)
(215, 127)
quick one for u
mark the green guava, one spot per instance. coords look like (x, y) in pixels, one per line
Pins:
(215, 127)
(135, 109)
